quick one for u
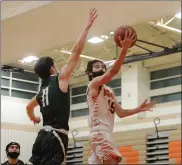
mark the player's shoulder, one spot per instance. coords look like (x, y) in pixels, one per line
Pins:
(88, 86)
(20, 162)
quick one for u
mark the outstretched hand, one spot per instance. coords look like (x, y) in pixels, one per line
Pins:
(92, 16)
(147, 106)
(128, 40)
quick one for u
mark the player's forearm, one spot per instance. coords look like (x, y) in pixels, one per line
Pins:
(79, 45)
(119, 61)
(130, 112)
(30, 113)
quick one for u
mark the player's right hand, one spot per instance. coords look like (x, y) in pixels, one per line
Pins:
(36, 120)
(128, 40)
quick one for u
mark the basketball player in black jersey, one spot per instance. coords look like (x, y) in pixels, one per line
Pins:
(53, 98)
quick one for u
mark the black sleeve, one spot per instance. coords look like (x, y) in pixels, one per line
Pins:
(38, 98)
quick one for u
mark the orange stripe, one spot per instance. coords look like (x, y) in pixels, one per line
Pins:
(130, 154)
(178, 161)
(175, 144)
(125, 149)
(174, 149)
(132, 159)
(175, 155)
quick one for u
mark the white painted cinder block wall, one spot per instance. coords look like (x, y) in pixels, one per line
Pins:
(13, 110)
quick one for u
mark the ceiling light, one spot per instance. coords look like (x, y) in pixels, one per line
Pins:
(178, 15)
(95, 40)
(167, 27)
(66, 51)
(104, 36)
(28, 59)
(170, 28)
(111, 32)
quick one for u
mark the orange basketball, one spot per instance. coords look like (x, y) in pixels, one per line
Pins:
(120, 31)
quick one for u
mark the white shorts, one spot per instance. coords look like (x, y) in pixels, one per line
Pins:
(102, 146)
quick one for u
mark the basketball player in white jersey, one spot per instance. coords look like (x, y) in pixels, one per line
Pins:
(103, 105)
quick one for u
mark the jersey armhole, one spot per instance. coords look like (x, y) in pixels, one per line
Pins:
(57, 80)
(37, 97)
(94, 98)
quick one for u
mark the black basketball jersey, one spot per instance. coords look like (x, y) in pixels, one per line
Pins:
(18, 163)
(54, 104)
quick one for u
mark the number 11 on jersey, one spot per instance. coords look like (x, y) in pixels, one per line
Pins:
(45, 99)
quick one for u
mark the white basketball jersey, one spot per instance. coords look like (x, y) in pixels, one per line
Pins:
(101, 108)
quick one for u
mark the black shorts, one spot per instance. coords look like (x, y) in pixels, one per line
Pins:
(47, 148)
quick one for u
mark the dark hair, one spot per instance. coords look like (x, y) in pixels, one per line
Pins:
(43, 66)
(89, 68)
(12, 143)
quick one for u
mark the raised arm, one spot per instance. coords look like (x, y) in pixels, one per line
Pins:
(78, 47)
(105, 78)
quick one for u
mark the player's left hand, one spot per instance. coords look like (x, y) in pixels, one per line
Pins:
(92, 16)
(147, 106)
(128, 40)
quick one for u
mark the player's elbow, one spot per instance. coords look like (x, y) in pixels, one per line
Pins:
(28, 108)
(121, 113)
(122, 116)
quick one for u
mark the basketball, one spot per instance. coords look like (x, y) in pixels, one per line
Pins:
(120, 31)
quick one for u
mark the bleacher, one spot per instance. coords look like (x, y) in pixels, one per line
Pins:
(145, 146)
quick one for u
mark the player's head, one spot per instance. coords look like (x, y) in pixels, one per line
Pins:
(95, 68)
(13, 150)
(45, 67)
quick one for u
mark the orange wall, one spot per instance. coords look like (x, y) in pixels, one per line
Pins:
(130, 156)
(175, 151)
